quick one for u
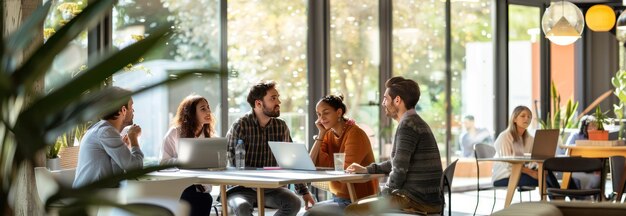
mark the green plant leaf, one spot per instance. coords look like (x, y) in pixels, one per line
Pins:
(92, 77)
(37, 64)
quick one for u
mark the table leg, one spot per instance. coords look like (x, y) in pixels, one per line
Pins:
(542, 182)
(260, 199)
(352, 192)
(565, 181)
(516, 172)
(224, 200)
(620, 190)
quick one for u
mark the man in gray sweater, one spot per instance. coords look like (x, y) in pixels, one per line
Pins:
(415, 166)
(102, 151)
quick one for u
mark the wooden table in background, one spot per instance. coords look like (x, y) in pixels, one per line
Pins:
(516, 171)
(594, 152)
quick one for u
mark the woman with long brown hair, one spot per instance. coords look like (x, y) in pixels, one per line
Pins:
(193, 120)
(514, 141)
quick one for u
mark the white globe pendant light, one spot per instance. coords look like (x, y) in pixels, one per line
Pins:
(563, 23)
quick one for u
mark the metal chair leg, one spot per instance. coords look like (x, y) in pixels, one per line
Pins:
(494, 201)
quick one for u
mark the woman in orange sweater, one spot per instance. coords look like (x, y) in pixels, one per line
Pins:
(337, 134)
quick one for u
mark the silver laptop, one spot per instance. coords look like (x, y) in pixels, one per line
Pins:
(544, 145)
(291, 156)
(202, 153)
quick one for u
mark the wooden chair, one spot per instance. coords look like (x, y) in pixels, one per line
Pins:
(69, 157)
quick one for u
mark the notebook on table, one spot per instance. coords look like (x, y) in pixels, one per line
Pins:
(202, 153)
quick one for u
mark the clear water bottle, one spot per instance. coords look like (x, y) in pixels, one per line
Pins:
(240, 155)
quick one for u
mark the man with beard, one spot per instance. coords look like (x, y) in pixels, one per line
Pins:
(414, 168)
(256, 128)
(102, 151)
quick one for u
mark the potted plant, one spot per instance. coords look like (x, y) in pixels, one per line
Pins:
(52, 155)
(558, 117)
(599, 133)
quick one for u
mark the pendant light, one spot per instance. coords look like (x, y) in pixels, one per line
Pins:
(562, 23)
(600, 18)
(620, 32)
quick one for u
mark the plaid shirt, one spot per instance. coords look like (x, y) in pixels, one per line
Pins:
(255, 138)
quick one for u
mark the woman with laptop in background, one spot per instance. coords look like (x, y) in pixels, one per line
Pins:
(515, 141)
(337, 134)
(193, 120)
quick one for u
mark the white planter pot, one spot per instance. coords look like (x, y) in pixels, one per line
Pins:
(53, 164)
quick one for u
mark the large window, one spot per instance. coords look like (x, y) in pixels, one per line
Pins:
(472, 76)
(73, 58)
(419, 54)
(267, 41)
(194, 45)
(524, 59)
(354, 61)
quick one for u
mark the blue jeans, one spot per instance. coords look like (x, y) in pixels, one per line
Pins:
(526, 180)
(331, 207)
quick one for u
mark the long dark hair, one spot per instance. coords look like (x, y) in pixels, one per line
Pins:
(186, 120)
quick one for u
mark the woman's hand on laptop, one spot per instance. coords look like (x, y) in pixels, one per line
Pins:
(356, 168)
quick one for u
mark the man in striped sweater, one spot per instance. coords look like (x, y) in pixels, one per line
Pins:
(415, 166)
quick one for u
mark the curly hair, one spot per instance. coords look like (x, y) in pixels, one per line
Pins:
(185, 118)
(336, 102)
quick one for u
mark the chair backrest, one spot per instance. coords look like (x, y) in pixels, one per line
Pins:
(484, 151)
(448, 175)
(573, 164)
(616, 164)
(64, 177)
(49, 182)
(446, 184)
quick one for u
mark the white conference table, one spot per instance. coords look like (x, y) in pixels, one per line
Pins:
(516, 171)
(261, 179)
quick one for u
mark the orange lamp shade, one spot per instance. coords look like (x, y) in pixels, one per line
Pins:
(600, 18)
